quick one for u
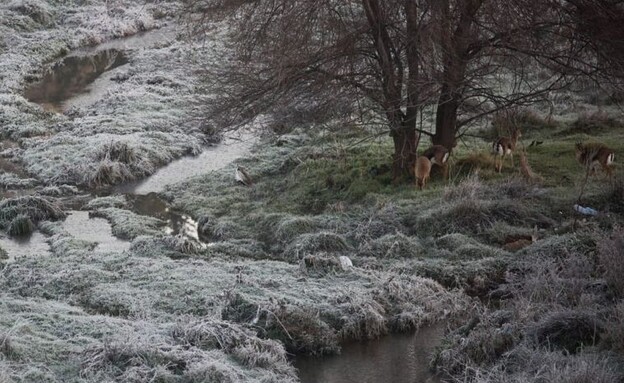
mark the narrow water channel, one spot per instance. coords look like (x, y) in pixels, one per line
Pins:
(395, 358)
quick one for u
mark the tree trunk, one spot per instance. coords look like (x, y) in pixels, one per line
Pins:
(405, 143)
(446, 117)
(455, 47)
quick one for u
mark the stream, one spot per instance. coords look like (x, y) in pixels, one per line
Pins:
(395, 358)
(78, 80)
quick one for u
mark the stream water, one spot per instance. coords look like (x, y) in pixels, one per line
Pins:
(80, 79)
(395, 358)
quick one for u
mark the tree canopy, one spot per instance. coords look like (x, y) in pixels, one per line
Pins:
(459, 59)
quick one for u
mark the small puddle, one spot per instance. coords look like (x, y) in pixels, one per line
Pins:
(93, 229)
(396, 358)
(83, 76)
(71, 75)
(152, 205)
(33, 245)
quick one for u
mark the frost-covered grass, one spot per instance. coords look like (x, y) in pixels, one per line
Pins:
(143, 119)
(19, 215)
(271, 281)
(55, 342)
(127, 224)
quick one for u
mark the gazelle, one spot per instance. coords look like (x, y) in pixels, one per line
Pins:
(438, 155)
(505, 146)
(421, 171)
(592, 155)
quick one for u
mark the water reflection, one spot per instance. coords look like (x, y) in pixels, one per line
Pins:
(152, 205)
(396, 358)
(93, 229)
(33, 245)
(212, 158)
(71, 76)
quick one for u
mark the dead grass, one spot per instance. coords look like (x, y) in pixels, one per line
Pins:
(19, 215)
(20, 226)
(570, 331)
(610, 251)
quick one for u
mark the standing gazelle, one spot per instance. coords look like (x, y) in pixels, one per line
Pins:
(592, 155)
(505, 146)
(421, 171)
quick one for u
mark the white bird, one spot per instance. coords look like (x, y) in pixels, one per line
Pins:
(242, 176)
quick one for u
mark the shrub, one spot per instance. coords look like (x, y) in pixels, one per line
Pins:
(35, 208)
(117, 151)
(567, 330)
(20, 226)
(593, 123)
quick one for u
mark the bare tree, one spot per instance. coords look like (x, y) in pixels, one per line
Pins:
(329, 54)
(468, 58)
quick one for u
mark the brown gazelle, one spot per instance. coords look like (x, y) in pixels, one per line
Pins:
(421, 171)
(592, 155)
(438, 155)
(505, 146)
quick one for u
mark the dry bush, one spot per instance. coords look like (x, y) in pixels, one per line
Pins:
(528, 365)
(475, 216)
(117, 151)
(472, 188)
(365, 321)
(613, 336)
(20, 214)
(593, 123)
(20, 226)
(611, 258)
(567, 330)
(300, 329)
(383, 220)
(524, 119)
(478, 344)
(109, 173)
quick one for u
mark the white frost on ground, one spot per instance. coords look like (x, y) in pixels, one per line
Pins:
(148, 106)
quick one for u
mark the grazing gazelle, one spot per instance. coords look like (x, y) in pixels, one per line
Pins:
(438, 155)
(592, 155)
(421, 171)
(505, 146)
